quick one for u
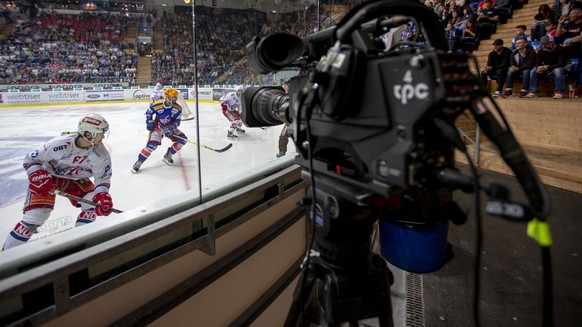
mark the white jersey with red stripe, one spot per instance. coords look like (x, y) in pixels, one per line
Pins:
(231, 100)
(156, 95)
(62, 158)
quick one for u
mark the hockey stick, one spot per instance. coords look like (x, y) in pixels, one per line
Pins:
(78, 199)
(181, 138)
(205, 146)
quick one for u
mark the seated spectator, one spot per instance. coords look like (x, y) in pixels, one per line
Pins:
(521, 62)
(551, 62)
(538, 28)
(469, 37)
(468, 14)
(504, 8)
(478, 5)
(456, 20)
(409, 32)
(562, 8)
(497, 64)
(441, 12)
(453, 36)
(550, 29)
(487, 19)
(451, 9)
(551, 26)
(520, 33)
(570, 31)
(546, 11)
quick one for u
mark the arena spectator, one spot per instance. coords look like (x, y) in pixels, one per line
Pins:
(469, 37)
(551, 62)
(521, 62)
(497, 64)
(520, 33)
(570, 31)
(487, 19)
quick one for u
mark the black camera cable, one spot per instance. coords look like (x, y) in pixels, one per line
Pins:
(298, 298)
(450, 133)
(538, 227)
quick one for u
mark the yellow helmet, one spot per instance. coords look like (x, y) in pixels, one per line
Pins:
(170, 93)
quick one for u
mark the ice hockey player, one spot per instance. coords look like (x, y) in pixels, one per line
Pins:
(231, 106)
(157, 93)
(66, 163)
(284, 137)
(165, 123)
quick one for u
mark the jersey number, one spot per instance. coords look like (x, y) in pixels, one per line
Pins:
(79, 160)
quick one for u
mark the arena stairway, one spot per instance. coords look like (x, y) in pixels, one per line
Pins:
(144, 71)
(6, 31)
(548, 130)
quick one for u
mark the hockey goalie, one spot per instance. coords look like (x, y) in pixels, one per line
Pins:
(186, 113)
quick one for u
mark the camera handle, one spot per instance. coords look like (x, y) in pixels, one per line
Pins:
(351, 283)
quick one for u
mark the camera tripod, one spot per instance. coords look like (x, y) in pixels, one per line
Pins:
(342, 282)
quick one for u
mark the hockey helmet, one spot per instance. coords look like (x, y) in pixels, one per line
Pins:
(94, 124)
(238, 89)
(159, 86)
(171, 93)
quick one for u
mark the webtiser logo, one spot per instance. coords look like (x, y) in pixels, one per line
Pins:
(409, 91)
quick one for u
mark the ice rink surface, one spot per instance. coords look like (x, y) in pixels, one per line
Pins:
(26, 128)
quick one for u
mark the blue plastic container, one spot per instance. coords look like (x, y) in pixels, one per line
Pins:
(418, 248)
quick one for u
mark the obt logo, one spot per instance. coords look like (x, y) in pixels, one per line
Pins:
(408, 91)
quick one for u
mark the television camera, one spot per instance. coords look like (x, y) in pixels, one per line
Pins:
(371, 124)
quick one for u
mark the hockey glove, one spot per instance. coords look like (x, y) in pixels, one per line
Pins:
(105, 204)
(41, 182)
(150, 126)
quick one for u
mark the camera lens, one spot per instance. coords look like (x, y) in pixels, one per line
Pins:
(273, 52)
(268, 106)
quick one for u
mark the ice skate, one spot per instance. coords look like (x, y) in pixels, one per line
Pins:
(136, 166)
(167, 159)
(240, 130)
(280, 154)
(230, 135)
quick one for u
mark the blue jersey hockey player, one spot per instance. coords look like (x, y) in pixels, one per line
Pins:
(163, 119)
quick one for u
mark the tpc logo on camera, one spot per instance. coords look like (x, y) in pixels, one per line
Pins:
(408, 91)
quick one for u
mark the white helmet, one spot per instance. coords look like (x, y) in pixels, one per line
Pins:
(94, 124)
(238, 89)
(159, 86)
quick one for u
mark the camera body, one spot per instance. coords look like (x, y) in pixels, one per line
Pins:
(359, 114)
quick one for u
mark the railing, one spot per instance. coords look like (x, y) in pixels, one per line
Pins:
(476, 142)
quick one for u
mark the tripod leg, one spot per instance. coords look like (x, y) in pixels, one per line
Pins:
(358, 296)
(301, 296)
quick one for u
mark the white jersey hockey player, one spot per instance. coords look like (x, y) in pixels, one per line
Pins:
(66, 164)
(231, 106)
(157, 93)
